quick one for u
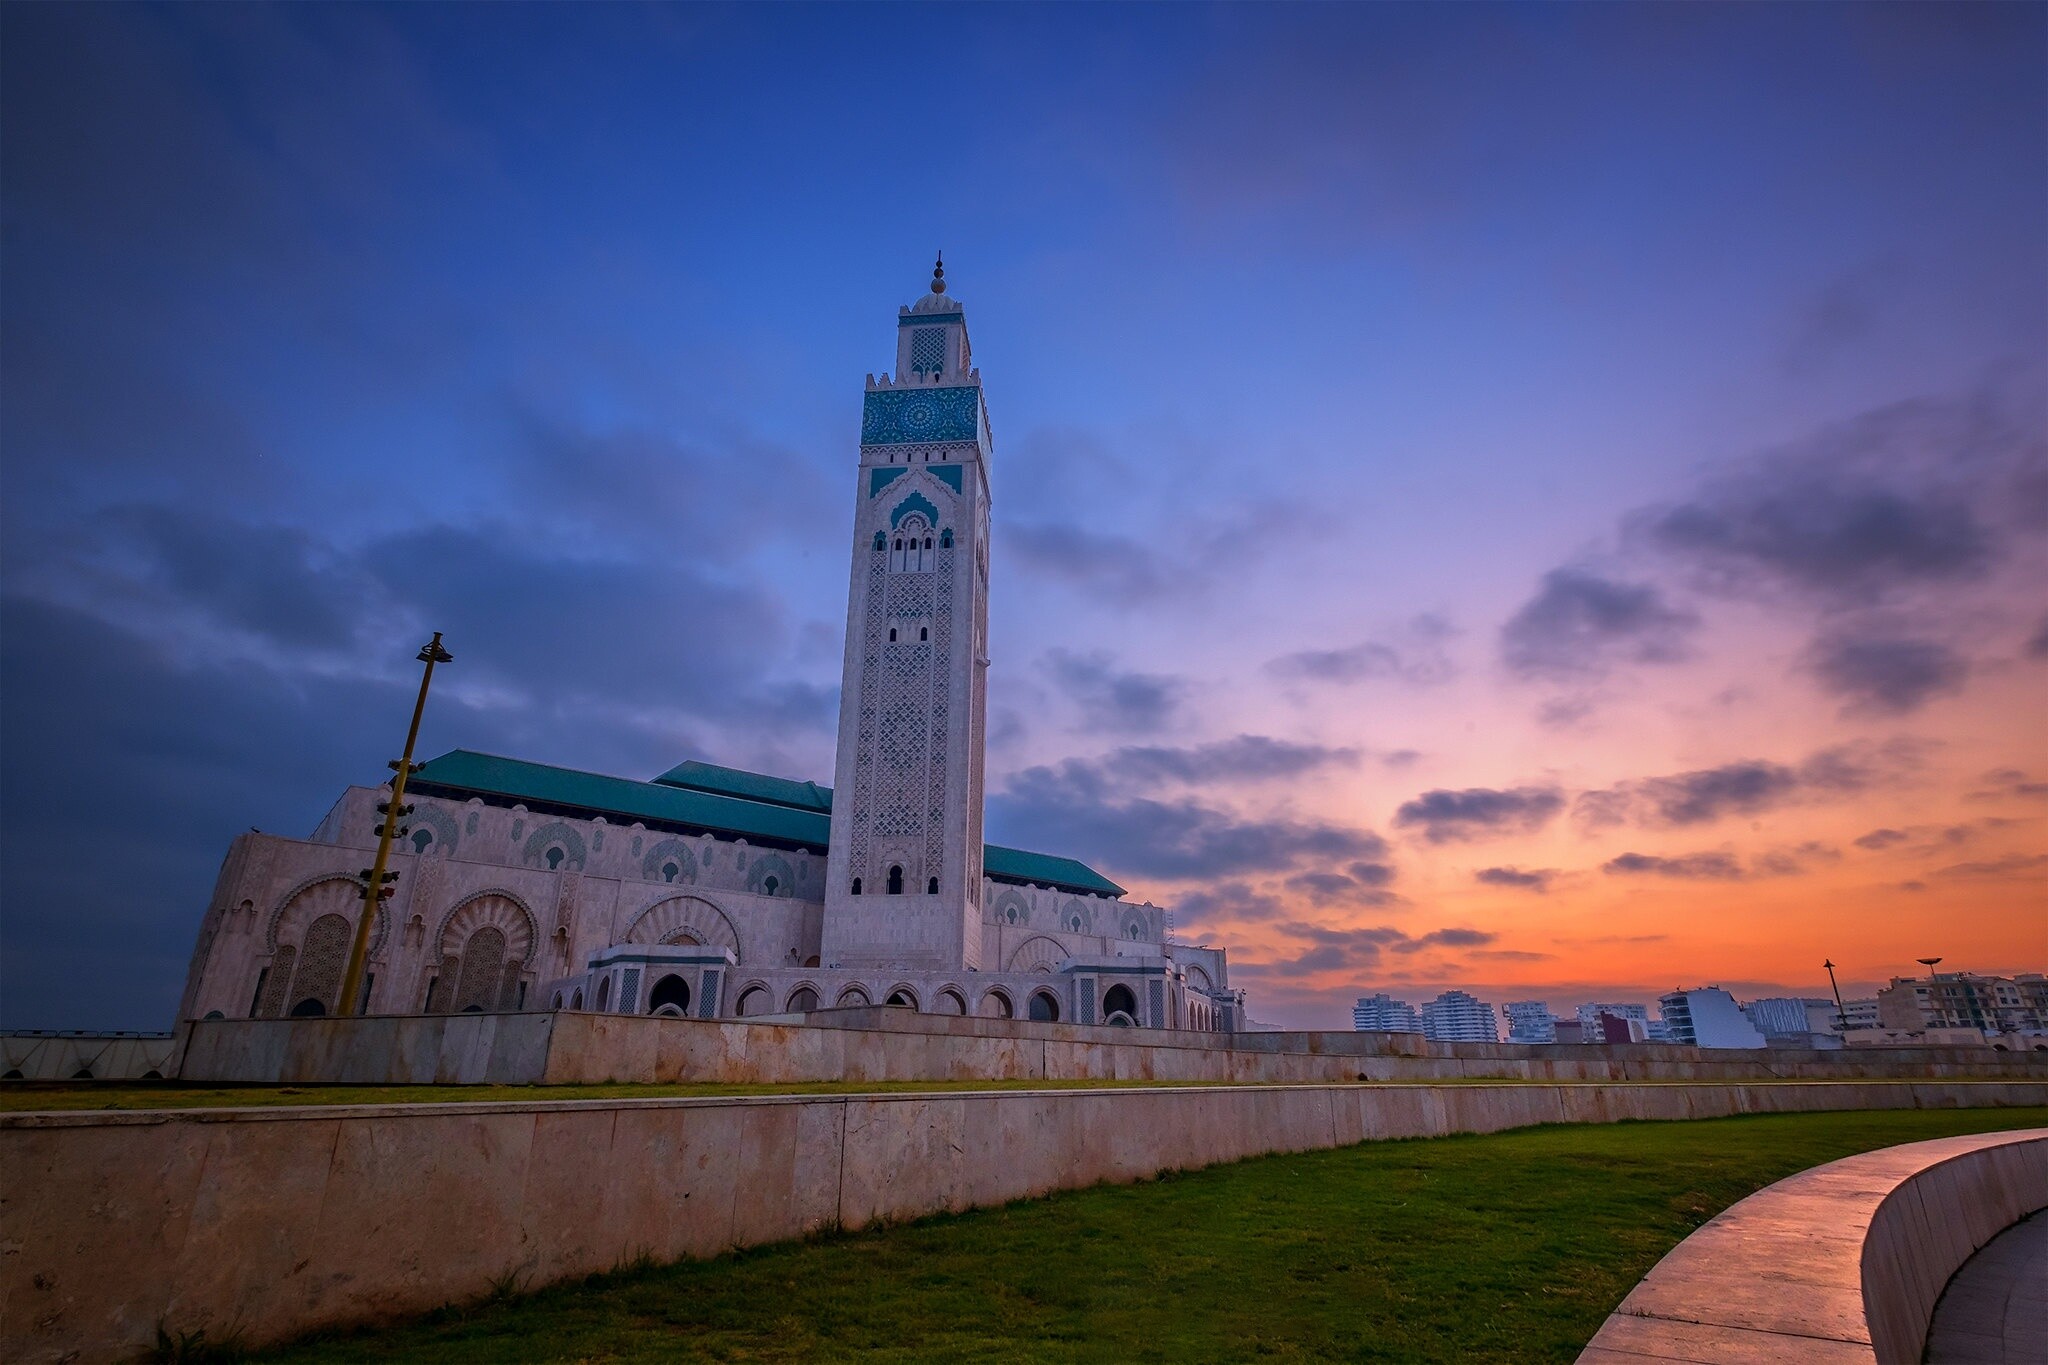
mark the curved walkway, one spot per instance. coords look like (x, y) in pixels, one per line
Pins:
(1995, 1309)
(1842, 1263)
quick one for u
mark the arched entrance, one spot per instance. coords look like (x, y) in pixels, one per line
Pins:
(672, 992)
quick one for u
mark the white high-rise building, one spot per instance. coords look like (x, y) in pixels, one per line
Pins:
(1530, 1021)
(1790, 1016)
(1456, 1017)
(1708, 1017)
(1384, 1014)
(1589, 1014)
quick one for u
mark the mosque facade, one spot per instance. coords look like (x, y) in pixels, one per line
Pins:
(712, 893)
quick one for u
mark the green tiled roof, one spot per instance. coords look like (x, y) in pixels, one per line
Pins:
(537, 783)
(776, 791)
(722, 800)
(1015, 865)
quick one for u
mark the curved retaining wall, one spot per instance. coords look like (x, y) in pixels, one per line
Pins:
(896, 1045)
(1842, 1263)
(271, 1222)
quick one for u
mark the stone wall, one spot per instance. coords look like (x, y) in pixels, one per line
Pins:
(1840, 1263)
(271, 1222)
(899, 1045)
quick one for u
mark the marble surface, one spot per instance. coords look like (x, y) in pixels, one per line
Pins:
(1839, 1263)
(273, 1221)
(1995, 1309)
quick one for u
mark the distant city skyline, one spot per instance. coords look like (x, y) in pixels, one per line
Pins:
(1534, 500)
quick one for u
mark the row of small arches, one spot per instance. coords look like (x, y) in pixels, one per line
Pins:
(902, 542)
(671, 997)
(894, 883)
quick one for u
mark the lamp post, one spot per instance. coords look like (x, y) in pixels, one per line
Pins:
(375, 879)
(1841, 1015)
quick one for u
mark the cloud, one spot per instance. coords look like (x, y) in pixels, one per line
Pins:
(1479, 812)
(1232, 900)
(2012, 867)
(1243, 758)
(1531, 879)
(1419, 659)
(1879, 839)
(1747, 787)
(2036, 646)
(1690, 867)
(1887, 676)
(1072, 807)
(2002, 784)
(1362, 883)
(1131, 571)
(1580, 622)
(1884, 502)
(1112, 700)
(1350, 949)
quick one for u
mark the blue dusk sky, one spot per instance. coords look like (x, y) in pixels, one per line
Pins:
(1547, 499)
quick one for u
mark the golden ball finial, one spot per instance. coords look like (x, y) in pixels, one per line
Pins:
(939, 274)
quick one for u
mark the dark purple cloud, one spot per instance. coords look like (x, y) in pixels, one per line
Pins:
(1887, 675)
(1113, 700)
(1580, 622)
(1747, 787)
(1537, 879)
(1689, 867)
(1479, 812)
(1072, 807)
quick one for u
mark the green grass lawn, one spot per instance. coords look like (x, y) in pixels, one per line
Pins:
(1508, 1247)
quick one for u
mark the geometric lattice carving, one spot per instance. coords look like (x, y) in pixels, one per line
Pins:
(1037, 954)
(321, 961)
(483, 959)
(684, 917)
(270, 1002)
(770, 875)
(669, 861)
(493, 910)
(555, 846)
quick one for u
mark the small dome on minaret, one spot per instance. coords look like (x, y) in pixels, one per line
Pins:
(936, 301)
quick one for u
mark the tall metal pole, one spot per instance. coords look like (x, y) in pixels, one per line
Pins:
(1841, 1015)
(375, 879)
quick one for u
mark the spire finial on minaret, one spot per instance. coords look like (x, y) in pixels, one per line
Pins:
(939, 274)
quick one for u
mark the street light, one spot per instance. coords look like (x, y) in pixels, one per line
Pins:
(1841, 1015)
(376, 881)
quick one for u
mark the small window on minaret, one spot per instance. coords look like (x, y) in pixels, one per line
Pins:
(931, 886)
(881, 541)
(892, 635)
(856, 886)
(945, 540)
(924, 632)
(896, 879)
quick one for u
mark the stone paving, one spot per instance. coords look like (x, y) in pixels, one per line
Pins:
(1995, 1310)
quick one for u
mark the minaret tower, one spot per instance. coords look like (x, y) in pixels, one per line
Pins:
(904, 878)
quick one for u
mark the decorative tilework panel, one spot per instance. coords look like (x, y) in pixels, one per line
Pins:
(897, 416)
(707, 999)
(915, 504)
(629, 992)
(947, 474)
(1158, 998)
(878, 479)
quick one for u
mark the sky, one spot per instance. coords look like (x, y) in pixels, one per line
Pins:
(1549, 500)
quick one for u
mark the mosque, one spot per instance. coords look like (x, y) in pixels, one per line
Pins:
(710, 893)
